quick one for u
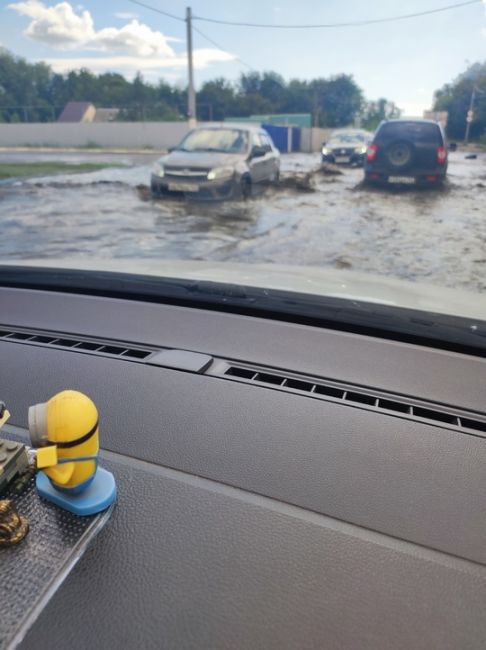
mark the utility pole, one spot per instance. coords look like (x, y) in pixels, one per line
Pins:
(470, 114)
(315, 109)
(191, 94)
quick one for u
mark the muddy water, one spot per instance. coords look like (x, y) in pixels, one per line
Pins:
(313, 219)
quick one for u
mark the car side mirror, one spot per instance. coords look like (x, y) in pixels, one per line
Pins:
(324, 143)
(258, 152)
(171, 149)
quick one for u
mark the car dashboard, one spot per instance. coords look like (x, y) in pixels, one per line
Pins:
(280, 485)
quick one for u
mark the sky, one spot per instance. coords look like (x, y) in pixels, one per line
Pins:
(404, 61)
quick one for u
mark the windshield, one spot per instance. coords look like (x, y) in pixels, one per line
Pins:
(345, 138)
(220, 140)
(328, 148)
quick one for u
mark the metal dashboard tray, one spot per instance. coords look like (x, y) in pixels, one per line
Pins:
(32, 570)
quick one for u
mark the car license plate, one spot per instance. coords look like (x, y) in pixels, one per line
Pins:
(410, 180)
(342, 159)
(183, 187)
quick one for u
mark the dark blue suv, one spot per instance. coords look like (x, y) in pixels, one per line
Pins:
(412, 152)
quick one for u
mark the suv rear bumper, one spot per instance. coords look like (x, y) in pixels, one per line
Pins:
(380, 174)
(412, 179)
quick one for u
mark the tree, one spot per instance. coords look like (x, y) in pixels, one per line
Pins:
(21, 89)
(274, 90)
(82, 86)
(376, 111)
(249, 83)
(34, 92)
(298, 97)
(249, 97)
(455, 98)
(216, 100)
(342, 101)
(113, 90)
(335, 101)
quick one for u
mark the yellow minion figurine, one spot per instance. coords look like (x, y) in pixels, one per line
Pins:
(65, 432)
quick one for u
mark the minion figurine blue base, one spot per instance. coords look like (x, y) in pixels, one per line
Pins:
(64, 432)
(98, 496)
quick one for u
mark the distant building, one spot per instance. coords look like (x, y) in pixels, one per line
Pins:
(438, 116)
(77, 112)
(87, 112)
(285, 119)
(106, 114)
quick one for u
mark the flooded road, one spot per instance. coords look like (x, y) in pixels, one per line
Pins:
(314, 219)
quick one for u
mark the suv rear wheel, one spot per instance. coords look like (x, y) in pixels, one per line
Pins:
(399, 154)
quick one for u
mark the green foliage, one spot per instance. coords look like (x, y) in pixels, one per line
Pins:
(23, 84)
(336, 101)
(375, 112)
(216, 100)
(33, 92)
(455, 98)
(333, 102)
(18, 170)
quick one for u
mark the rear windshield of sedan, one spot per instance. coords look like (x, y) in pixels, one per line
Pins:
(220, 140)
(411, 131)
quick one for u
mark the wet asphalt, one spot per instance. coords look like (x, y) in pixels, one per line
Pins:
(315, 219)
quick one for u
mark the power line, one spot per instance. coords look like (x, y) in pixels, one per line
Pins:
(159, 11)
(210, 40)
(357, 23)
(237, 58)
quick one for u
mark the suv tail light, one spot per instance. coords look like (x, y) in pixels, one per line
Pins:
(371, 153)
(441, 155)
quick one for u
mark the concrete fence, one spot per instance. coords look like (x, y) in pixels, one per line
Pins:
(130, 135)
(311, 139)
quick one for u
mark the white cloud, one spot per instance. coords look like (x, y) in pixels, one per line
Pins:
(61, 27)
(126, 15)
(130, 64)
(130, 48)
(58, 26)
(134, 38)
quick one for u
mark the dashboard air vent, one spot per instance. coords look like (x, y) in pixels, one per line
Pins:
(99, 347)
(371, 399)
